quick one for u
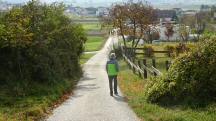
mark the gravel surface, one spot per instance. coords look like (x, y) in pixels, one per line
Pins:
(91, 100)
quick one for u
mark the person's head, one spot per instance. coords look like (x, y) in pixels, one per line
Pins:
(112, 56)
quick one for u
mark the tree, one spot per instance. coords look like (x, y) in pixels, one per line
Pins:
(117, 17)
(201, 20)
(152, 33)
(188, 20)
(132, 19)
(196, 22)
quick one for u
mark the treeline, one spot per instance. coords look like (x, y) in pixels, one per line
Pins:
(38, 43)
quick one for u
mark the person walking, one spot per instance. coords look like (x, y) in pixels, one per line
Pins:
(112, 69)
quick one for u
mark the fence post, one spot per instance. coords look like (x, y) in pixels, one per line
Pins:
(167, 65)
(125, 51)
(139, 64)
(145, 71)
(133, 61)
(128, 62)
(154, 65)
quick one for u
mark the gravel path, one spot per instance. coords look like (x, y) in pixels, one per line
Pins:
(91, 100)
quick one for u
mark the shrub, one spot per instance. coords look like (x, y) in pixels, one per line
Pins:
(190, 46)
(180, 48)
(171, 50)
(191, 76)
(38, 43)
(177, 49)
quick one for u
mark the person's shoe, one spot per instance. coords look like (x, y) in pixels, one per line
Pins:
(116, 93)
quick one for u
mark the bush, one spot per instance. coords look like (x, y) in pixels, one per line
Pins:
(177, 49)
(190, 77)
(171, 50)
(180, 48)
(191, 46)
(38, 43)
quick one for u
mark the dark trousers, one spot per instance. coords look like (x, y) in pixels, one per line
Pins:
(111, 80)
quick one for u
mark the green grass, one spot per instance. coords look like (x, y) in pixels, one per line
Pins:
(133, 87)
(85, 57)
(94, 43)
(160, 63)
(35, 106)
(92, 26)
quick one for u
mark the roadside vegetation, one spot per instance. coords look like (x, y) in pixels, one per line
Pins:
(134, 89)
(186, 92)
(190, 79)
(40, 49)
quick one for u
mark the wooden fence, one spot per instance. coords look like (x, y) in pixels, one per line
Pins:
(141, 66)
(142, 53)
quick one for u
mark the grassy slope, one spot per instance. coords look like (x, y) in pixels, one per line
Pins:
(37, 105)
(133, 88)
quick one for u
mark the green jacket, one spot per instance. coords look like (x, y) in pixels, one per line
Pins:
(112, 67)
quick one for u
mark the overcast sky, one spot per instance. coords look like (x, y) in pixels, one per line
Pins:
(109, 2)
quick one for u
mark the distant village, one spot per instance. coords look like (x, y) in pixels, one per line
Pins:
(171, 16)
(178, 16)
(79, 11)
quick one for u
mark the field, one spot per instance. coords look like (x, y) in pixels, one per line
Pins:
(133, 88)
(91, 26)
(94, 43)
